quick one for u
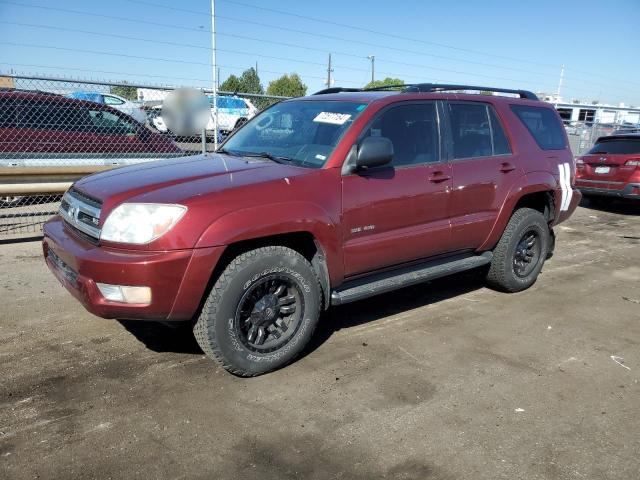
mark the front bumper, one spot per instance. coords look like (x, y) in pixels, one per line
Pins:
(177, 278)
(629, 191)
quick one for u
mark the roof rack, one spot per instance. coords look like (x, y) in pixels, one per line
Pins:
(431, 88)
(337, 90)
(437, 87)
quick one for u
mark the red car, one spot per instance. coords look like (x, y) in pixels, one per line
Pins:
(45, 129)
(611, 168)
(319, 201)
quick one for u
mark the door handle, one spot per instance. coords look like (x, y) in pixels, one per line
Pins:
(507, 167)
(437, 177)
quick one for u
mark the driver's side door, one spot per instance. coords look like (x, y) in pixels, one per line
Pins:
(399, 212)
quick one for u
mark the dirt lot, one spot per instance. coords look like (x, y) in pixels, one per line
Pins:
(443, 381)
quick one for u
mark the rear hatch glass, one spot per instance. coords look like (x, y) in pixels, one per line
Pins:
(617, 146)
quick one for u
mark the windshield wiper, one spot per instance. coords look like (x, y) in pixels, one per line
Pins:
(273, 158)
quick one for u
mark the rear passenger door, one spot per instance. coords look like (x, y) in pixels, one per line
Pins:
(398, 212)
(483, 169)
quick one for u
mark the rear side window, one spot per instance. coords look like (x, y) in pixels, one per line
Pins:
(109, 100)
(619, 146)
(543, 125)
(108, 123)
(476, 131)
(62, 116)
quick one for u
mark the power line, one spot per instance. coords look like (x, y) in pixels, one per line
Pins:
(109, 72)
(279, 43)
(343, 25)
(344, 67)
(331, 37)
(266, 25)
(163, 42)
(377, 32)
(138, 57)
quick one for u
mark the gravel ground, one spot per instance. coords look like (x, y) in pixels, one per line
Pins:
(446, 380)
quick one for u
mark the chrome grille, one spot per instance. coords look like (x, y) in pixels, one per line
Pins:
(81, 212)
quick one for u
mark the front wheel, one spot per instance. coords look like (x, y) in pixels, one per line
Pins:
(261, 311)
(520, 254)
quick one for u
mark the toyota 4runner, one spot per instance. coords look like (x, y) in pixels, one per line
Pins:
(319, 201)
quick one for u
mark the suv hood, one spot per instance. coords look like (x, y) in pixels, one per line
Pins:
(177, 180)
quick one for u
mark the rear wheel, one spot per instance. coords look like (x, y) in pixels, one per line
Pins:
(261, 311)
(520, 254)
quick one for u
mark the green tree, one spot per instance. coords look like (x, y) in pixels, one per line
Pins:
(383, 83)
(287, 86)
(231, 84)
(250, 82)
(126, 91)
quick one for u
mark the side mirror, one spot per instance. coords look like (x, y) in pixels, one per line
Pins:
(374, 152)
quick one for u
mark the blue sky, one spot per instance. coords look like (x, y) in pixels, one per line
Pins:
(497, 43)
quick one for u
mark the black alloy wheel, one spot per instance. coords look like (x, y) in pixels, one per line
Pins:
(269, 313)
(527, 254)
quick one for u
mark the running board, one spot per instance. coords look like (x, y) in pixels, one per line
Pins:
(395, 279)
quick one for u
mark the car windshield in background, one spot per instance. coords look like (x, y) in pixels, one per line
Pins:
(618, 146)
(302, 132)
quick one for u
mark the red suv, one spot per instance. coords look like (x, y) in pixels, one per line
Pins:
(319, 201)
(611, 168)
(43, 129)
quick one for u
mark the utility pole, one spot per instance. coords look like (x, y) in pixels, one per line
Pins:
(329, 72)
(560, 83)
(214, 74)
(373, 67)
(256, 68)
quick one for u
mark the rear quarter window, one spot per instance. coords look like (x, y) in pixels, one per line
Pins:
(543, 125)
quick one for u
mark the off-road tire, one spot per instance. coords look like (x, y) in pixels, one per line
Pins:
(214, 329)
(502, 275)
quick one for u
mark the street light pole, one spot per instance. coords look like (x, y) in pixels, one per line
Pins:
(214, 75)
(373, 67)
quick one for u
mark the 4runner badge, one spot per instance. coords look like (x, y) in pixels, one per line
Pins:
(363, 229)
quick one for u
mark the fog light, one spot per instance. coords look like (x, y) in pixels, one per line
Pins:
(125, 294)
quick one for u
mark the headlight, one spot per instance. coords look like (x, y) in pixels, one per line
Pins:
(140, 223)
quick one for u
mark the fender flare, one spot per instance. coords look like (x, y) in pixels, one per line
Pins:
(534, 182)
(279, 219)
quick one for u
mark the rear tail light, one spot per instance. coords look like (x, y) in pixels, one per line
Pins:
(633, 163)
(579, 163)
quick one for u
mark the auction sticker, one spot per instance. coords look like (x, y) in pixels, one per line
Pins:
(332, 118)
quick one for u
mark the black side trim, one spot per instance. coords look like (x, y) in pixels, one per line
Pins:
(395, 279)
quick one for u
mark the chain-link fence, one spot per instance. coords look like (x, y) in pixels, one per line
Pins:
(583, 135)
(54, 131)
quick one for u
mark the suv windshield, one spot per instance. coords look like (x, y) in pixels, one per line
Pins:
(302, 132)
(618, 146)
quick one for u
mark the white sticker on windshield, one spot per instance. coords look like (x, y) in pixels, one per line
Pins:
(332, 118)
